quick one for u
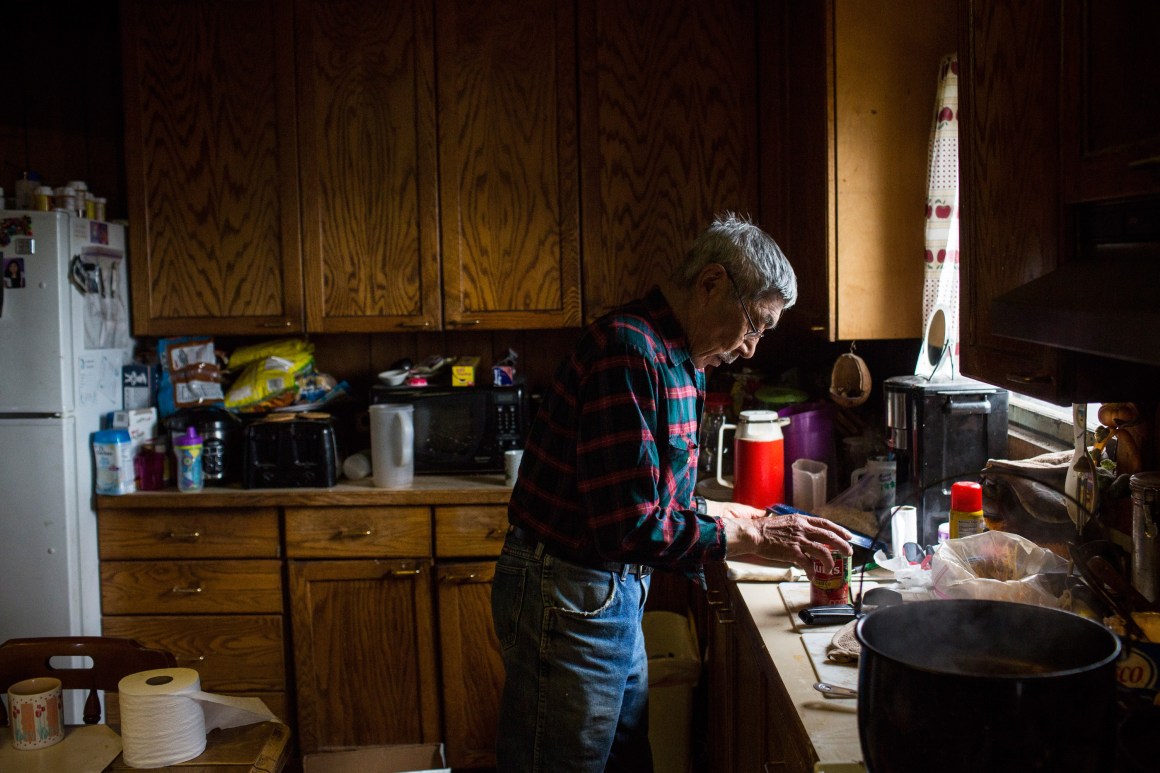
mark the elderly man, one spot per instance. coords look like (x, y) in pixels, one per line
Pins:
(605, 493)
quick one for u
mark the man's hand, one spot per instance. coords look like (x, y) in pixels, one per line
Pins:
(797, 539)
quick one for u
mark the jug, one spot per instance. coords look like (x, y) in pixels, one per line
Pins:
(392, 441)
(758, 458)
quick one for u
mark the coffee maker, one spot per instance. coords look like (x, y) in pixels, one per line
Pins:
(941, 431)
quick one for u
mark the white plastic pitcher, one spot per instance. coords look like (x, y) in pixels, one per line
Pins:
(392, 445)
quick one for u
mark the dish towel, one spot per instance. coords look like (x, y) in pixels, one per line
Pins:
(940, 287)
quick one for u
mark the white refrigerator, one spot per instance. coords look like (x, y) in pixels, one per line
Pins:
(64, 335)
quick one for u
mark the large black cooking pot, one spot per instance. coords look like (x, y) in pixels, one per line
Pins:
(968, 685)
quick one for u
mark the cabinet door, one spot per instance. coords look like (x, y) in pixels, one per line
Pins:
(364, 653)
(212, 169)
(1110, 69)
(507, 163)
(858, 106)
(473, 672)
(669, 134)
(366, 115)
(1010, 181)
(721, 673)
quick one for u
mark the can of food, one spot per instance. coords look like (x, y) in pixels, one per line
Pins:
(831, 586)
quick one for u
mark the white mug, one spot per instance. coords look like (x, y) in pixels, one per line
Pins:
(36, 713)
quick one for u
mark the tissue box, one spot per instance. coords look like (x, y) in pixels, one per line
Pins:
(398, 758)
(463, 371)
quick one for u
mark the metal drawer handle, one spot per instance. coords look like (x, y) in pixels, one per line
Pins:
(405, 572)
(1144, 162)
(354, 533)
(1029, 378)
(463, 579)
(725, 616)
(184, 536)
(186, 590)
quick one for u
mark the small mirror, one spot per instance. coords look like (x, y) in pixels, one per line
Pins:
(936, 337)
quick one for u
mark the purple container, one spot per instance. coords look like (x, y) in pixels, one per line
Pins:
(809, 435)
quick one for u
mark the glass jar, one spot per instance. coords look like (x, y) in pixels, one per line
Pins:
(716, 408)
(1145, 488)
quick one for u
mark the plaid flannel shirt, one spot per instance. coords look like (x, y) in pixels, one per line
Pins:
(611, 460)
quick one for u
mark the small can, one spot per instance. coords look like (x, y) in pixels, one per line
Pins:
(831, 587)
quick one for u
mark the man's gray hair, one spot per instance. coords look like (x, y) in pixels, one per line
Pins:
(754, 261)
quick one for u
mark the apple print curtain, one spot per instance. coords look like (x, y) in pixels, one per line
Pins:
(940, 288)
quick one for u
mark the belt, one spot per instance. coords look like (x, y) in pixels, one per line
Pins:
(528, 539)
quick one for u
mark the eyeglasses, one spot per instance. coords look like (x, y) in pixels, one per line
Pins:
(753, 333)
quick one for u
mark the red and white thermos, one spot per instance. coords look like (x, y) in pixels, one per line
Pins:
(758, 459)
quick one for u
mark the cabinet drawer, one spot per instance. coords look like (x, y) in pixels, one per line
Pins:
(231, 653)
(464, 532)
(182, 587)
(225, 533)
(358, 532)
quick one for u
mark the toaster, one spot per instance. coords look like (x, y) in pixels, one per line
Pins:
(297, 451)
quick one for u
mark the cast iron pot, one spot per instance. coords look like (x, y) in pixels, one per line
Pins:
(970, 685)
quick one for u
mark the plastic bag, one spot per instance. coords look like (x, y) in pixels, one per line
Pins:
(996, 565)
(269, 378)
(190, 376)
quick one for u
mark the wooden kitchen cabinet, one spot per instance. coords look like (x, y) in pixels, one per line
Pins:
(753, 725)
(369, 183)
(669, 134)
(363, 627)
(859, 102)
(1111, 122)
(204, 585)
(212, 167)
(508, 176)
(467, 540)
(1010, 223)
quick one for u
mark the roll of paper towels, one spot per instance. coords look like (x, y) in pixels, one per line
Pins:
(165, 716)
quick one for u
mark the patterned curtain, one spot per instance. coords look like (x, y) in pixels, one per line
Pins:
(940, 288)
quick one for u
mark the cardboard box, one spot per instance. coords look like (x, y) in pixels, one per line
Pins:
(138, 386)
(141, 423)
(1139, 668)
(463, 371)
(398, 758)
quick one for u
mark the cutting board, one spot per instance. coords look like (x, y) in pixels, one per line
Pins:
(841, 674)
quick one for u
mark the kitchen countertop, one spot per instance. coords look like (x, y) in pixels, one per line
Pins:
(425, 490)
(832, 724)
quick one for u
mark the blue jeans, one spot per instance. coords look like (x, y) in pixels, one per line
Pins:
(576, 694)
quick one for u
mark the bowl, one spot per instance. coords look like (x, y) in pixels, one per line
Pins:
(394, 377)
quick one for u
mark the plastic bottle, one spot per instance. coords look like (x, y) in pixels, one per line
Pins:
(190, 477)
(42, 199)
(25, 189)
(716, 404)
(113, 454)
(966, 509)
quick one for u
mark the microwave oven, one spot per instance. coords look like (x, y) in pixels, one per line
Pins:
(461, 429)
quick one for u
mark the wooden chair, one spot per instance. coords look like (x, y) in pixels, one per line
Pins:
(112, 659)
